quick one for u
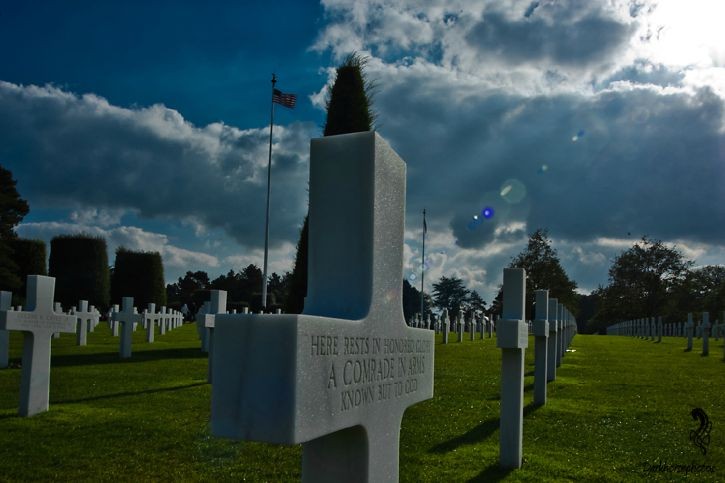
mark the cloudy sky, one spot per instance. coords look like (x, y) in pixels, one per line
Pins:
(147, 123)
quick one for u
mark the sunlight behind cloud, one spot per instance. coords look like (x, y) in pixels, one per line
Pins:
(688, 33)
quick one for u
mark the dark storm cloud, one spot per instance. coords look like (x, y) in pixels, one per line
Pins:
(637, 161)
(550, 33)
(68, 151)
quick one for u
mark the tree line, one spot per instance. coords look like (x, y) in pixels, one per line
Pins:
(653, 279)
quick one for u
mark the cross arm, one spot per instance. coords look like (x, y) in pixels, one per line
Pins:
(292, 378)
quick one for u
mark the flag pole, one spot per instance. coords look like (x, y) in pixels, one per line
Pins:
(269, 182)
(422, 270)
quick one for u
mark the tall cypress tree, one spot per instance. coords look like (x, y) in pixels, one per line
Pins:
(139, 275)
(348, 110)
(29, 256)
(79, 264)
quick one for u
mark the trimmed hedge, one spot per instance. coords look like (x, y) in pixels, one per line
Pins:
(139, 275)
(29, 256)
(79, 264)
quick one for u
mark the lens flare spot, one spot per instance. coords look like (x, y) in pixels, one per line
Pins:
(487, 212)
(543, 168)
(412, 277)
(513, 191)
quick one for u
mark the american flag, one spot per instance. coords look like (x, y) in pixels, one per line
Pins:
(286, 100)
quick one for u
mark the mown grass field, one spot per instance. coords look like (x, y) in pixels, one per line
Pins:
(619, 407)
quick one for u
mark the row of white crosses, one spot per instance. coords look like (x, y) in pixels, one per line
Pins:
(553, 329)
(42, 320)
(87, 318)
(471, 323)
(651, 328)
(125, 321)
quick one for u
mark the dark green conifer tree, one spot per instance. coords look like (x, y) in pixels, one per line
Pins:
(139, 275)
(79, 264)
(348, 110)
(29, 256)
(12, 210)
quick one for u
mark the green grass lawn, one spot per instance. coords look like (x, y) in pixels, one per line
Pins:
(619, 406)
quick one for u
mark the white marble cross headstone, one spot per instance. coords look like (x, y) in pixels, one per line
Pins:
(338, 377)
(217, 305)
(201, 327)
(112, 320)
(83, 316)
(163, 319)
(560, 334)
(705, 333)
(541, 346)
(513, 339)
(129, 318)
(5, 301)
(93, 319)
(553, 317)
(149, 318)
(38, 323)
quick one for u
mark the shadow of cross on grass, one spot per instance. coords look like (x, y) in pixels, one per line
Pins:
(130, 393)
(138, 356)
(476, 434)
(493, 472)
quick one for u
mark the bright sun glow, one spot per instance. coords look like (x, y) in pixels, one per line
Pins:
(688, 33)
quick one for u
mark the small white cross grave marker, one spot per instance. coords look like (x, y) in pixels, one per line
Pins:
(163, 319)
(112, 320)
(38, 323)
(217, 305)
(551, 349)
(541, 346)
(5, 301)
(705, 333)
(560, 334)
(338, 377)
(83, 316)
(201, 328)
(513, 339)
(129, 318)
(149, 318)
